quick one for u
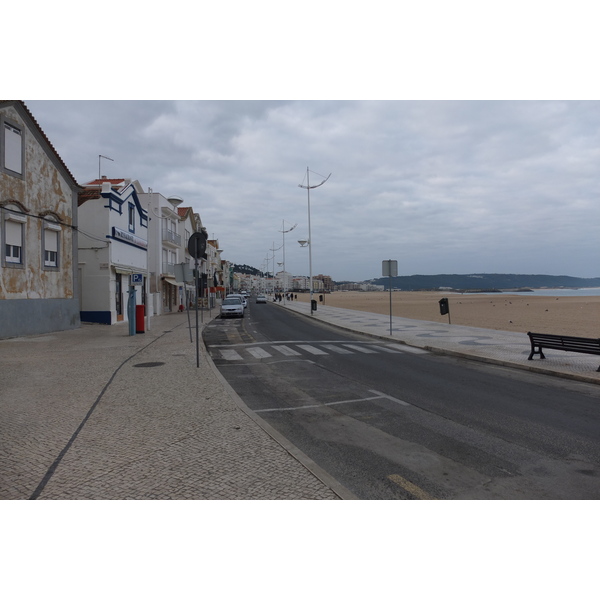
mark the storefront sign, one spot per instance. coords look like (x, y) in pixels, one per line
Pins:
(129, 238)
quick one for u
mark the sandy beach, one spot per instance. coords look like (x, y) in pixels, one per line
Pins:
(566, 315)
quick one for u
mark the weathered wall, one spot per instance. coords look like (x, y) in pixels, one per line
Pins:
(42, 192)
(37, 316)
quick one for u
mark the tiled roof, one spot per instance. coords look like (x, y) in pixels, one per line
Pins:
(87, 195)
(103, 179)
(184, 211)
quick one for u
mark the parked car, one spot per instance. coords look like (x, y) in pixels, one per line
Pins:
(232, 307)
(241, 297)
(261, 299)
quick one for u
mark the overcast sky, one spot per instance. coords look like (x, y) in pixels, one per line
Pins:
(470, 166)
(439, 186)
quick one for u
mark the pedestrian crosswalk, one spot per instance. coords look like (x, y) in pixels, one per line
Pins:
(246, 352)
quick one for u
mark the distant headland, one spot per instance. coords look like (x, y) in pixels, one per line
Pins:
(485, 282)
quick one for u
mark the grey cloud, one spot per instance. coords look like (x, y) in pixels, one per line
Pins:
(440, 186)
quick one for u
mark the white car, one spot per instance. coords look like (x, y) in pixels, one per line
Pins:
(241, 297)
(232, 307)
(261, 299)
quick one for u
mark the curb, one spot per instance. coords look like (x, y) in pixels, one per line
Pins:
(457, 354)
(326, 479)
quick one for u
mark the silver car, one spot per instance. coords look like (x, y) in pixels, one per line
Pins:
(232, 307)
(241, 297)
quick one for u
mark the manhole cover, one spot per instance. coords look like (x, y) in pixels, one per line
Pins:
(149, 364)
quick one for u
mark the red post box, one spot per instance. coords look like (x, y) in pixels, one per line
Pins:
(140, 314)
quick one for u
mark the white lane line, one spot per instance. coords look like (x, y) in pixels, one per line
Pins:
(311, 349)
(405, 348)
(230, 355)
(258, 353)
(379, 396)
(286, 350)
(384, 349)
(361, 349)
(337, 349)
(382, 395)
(316, 405)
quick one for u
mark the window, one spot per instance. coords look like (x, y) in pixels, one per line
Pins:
(13, 238)
(51, 245)
(12, 159)
(131, 215)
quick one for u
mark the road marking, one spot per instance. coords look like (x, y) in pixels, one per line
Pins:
(405, 348)
(361, 349)
(384, 349)
(259, 353)
(337, 349)
(378, 396)
(230, 355)
(382, 395)
(315, 405)
(311, 349)
(411, 488)
(286, 350)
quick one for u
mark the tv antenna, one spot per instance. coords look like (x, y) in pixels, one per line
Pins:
(99, 157)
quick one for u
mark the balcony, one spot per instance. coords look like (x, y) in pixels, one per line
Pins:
(172, 238)
(168, 268)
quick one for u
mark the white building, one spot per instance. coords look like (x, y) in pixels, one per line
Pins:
(216, 286)
(113, 250)
(189, 223)
(169, 231)
(302, 283)
(166, 250)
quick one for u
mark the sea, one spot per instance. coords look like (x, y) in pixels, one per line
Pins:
(555, 292)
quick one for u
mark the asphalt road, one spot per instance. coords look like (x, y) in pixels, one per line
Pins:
(393, 422)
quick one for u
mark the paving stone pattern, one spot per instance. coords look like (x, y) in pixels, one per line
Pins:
(79, 420)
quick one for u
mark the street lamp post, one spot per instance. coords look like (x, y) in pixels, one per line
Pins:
(308, 187)
(273, 250)
(283, 232)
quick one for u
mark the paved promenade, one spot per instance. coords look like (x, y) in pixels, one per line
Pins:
(498, 347)
(94, 413)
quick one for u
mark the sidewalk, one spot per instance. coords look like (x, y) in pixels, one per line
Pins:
(488, 345)
(94, 413)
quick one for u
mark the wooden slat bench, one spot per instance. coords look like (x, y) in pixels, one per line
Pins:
(539, 341)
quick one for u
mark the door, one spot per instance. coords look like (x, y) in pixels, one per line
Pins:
(119, 296)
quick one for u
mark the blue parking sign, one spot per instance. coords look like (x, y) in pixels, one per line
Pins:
(137, 278)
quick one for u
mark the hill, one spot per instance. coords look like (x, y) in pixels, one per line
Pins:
(248, 270)
(485, 281)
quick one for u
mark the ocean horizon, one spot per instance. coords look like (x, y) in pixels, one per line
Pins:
(595, 291)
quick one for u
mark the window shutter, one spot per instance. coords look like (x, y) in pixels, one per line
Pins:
(13, 233)
(51, 241)
(12, 149)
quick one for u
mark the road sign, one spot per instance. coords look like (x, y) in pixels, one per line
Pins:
(389, 268)
(197, 244)
(137, 279)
